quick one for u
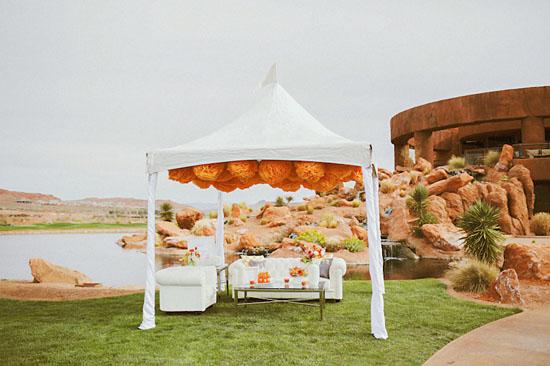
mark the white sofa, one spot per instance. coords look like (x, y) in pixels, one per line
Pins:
(240, 274)
(190, 288)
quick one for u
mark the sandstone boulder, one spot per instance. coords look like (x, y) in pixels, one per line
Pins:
(442, 236)
(517, 206)
(289, 252)
(235, 211)
(342, 203)
(496, 196)
(398, 225)
(175, 242)
(469, 194)
(451, 184)
(505, 159)
(437, 206)
(422, 165)
(273, 213)
(436, 175)
(133, 241)
(524, 176)
(454, 205)
(384, 174)
(166, 228)
(359, 232)
(530, 261)
(187, 217)
(44, 271)
(506, 288)
(248, 241)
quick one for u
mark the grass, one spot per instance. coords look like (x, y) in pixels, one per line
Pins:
(420, 316)
(70, 226)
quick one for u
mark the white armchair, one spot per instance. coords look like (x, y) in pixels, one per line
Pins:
(240, 274)
(190, 288)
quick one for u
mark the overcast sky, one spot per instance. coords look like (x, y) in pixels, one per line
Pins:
(87, 87)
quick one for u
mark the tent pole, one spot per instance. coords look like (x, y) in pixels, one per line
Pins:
(376, 262)
(148, 321)
(220, 239)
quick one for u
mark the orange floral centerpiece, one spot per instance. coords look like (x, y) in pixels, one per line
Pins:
(263, 277)
(298, 272)
(314, 252)
(190, 257)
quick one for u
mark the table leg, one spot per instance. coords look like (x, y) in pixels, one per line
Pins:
(227, 280)
(322, 302)
(236, 297)
(245, 298)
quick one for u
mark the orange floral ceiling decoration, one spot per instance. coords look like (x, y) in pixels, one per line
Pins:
(286, 175)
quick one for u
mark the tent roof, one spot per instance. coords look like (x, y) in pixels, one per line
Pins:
(277, 127)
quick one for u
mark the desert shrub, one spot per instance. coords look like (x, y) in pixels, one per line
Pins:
(491, 158)
(333, 244)
(474, 276)
(289, 199)
(280, 201)
(540, 223)
(166, 212)
(302, 207)
(313, 236)
(309, 210)
(456, 163)
(415, 176)
(226, 210)
(483, 237)
(418, 203)
(213, 214)
(353, 244)
(387, 186)
(356, 203)
(328, 220)
(243, 218)
(244, 206)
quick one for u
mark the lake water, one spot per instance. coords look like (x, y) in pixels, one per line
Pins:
(99, 257)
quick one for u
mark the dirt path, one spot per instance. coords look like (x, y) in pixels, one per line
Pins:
(26, 290)
(521, 339)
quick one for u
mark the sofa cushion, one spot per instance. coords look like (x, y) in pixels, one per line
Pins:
(182, 276)
(324, 267)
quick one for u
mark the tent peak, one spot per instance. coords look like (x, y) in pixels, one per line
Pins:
(271, 76)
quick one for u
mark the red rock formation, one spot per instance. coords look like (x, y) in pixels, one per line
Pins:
(451, 184)
(187, 217)
(530, 261)
(44, 271)
(506, 158)
(454, 205)
(506, 288)
(524, 176)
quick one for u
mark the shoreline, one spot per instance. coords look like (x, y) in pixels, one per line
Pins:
(128, 230)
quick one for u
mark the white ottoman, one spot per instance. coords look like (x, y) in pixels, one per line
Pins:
(190, 288)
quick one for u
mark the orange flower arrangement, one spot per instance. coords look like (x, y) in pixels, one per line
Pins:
(228, 186)
(288, 186)
(274, 171)
(309, 171)
(243, 169)
(325, 184)
(201, 183)
(182, 175)
(209, 172)
(342, 171)
(263, 277)
(298, 272)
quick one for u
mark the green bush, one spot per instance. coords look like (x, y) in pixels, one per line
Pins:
(213, 214)
(456, 163)
(540, 224)
(474, 276)
(356, 203)
(483, 237)
(418, 203)
(491, 158)
(166, 212)
(353, 244)
(313, 236)
(333, 245)
(387, 186)
(243, 218)
(302, 207)
(280, 201)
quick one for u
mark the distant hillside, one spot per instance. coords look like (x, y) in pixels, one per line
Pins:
(7, 196)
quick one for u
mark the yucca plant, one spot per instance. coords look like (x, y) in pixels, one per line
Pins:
(474, 276)
(483, 235)
(166, 211)
(418, 203)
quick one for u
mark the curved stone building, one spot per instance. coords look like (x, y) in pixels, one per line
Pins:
(471, 125)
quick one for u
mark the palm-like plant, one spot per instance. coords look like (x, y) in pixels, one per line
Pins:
(418, 203)
(166, 212)
(483, 235)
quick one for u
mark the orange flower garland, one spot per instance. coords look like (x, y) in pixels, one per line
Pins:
(274, 171)
(209, 172)
(309, 171)
(243, 169)
(202, 183)
(342, 171)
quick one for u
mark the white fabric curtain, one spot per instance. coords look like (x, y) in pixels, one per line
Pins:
(148, 321)
(376, 262)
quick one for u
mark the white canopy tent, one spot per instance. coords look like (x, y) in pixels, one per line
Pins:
(275, 128)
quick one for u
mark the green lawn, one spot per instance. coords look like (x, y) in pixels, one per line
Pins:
(421, 318)
(70, 226)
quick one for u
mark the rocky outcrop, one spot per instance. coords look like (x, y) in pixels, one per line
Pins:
(133, 241)
(359, 232)
(399, 222)
(453, 201)
(517, 205)
(496, 196)
(443, 236)
(437, 206)
(187, 217)
(273, 213)
(235, 211)
(524, 176)
(506, 288)
(505, 159)
(422, 165)
(166, 228)
(175, 242)
(469, 194)
(248, 241)
(451, 184)
(436, 175)
(530, 261)
(44, 271)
